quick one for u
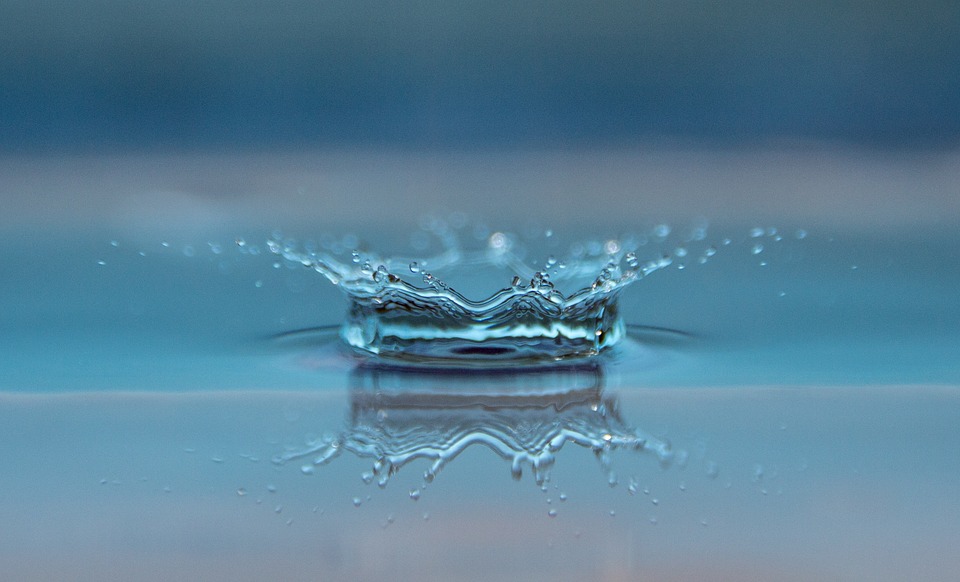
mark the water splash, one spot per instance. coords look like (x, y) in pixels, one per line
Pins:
(400, 415)
(560, 306)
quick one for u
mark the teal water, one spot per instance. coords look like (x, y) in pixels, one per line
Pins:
(790, 414)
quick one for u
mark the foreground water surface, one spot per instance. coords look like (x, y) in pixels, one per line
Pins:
(175, 406)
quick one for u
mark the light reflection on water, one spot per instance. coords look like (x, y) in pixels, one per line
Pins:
(398, 415)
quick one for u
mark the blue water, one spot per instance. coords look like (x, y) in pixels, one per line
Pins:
(790, 414)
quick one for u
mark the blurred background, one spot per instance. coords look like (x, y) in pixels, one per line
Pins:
(114, 75)
(252, 111)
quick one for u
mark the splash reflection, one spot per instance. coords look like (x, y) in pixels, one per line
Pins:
(526, 416)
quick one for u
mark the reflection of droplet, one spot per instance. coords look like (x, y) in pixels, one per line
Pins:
(400, 415)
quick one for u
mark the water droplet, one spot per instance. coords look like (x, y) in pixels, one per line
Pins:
(414, 267)
(101, 263)
(655, 501)
(415, 494)
(653, 521)
(426, 516)
(258, 283)
(552, 512)
(800, 234)
(357, 502)
(632, 260)
(272, 488)
(563, 497)
(498, 241)
(680, 252)
(613, 513)
(661, 231)
(757, 249)
(241, 243)
(683, 486)
(241, 492)
(367, 477)
(756, 232)
(278, 509)
(306, 469)
(711, 251)
(114, 243)
(612, 247)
